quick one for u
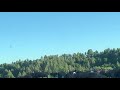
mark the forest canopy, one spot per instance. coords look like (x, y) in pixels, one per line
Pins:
(90, 64)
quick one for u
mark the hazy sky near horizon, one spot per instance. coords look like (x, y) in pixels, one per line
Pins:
(35, 34)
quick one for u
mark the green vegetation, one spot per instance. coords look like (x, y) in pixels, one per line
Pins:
(92, 64)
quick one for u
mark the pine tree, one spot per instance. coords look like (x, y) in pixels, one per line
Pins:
(19, 74)
(118, 64)
(23, 73)
(9, 75)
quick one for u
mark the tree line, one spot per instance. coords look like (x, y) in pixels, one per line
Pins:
(89, 64)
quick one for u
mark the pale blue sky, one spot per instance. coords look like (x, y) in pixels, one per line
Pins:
(34, 34)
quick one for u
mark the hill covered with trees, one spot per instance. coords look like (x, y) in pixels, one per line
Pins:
(91, 64)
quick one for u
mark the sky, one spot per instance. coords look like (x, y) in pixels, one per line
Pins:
(34, 34)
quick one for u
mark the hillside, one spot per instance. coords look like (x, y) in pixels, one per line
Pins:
(78, 65)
